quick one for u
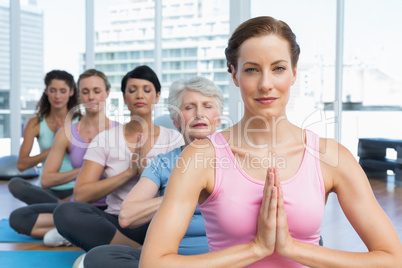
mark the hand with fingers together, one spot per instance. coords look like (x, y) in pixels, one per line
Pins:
(284, 240)
(138, 160)
(272, 227)
(266, 223)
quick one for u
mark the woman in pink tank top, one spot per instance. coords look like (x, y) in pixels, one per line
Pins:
(262, 184)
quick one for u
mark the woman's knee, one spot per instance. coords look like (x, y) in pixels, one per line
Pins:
(22, 220)
(64, 212)
(71, 214)
(15, 185)
(117, 256)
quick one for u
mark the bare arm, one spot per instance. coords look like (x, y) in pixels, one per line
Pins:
(88, 186)
(140, 204)
(26, 161)
(171, 221)
(51, 175)
(358, 203)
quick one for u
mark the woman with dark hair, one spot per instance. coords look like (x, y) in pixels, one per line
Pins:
(36, 220)
(119, 155)
(54, 110)
(263, 183)
(44, 106)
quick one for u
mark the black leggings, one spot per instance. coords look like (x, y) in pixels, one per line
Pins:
(116, 256)
(87, 226)
(32, 194)
(23, 219)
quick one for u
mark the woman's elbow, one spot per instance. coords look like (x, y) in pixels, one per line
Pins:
(123, 223)
(123, 219)
(20, 166)
(44, 181)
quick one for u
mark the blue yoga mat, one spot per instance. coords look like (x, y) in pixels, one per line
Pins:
(34, 259)
(7, 234)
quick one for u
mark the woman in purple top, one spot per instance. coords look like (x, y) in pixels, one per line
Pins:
(37, 220)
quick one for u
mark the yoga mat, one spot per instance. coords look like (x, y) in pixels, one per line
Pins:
(7, 234)
(42, 259)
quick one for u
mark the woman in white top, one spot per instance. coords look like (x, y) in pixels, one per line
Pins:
(119, 155)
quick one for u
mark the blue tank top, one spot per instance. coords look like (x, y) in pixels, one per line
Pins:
(45, 141)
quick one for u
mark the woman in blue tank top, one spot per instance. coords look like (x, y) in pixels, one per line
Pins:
(37, 219)
(58, 98)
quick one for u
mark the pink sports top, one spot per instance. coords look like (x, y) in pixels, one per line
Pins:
(231, 211)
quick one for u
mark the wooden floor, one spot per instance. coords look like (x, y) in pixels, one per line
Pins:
(337, 233)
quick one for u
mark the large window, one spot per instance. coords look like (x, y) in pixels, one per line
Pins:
(52, 37)
(194, 35)
(4, 73)
(189, 29)
(313, 22)
(372, 79)
(372, 74)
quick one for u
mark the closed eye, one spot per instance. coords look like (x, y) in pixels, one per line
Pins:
(250, 70)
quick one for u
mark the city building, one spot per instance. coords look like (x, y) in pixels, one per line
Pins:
(194, 38)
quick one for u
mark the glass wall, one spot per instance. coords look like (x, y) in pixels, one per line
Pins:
(4, 73)
(372, 79)
(52, 37)
(194, 36)
(313, 22)
(372, 74)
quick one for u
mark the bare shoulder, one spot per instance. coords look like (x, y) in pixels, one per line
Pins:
(199, 153)
(336, 162)
(32, 127)
(63, 136)
(201, 147)
(196, 165)
(333, 153)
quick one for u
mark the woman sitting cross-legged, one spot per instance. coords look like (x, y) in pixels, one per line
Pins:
(195, 105)
(58, 98)
(119, 155)
(36, 220)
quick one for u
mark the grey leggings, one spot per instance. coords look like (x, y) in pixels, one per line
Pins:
(116, 256)
(87, 226)
(32, 194)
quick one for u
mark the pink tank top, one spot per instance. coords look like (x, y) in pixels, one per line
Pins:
(231, 211)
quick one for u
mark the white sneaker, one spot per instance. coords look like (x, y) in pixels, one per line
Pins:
(79, 262)
(53, 239)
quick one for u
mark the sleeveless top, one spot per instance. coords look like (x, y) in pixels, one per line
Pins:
(45, 141)
(78, 148)
(231, 211)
